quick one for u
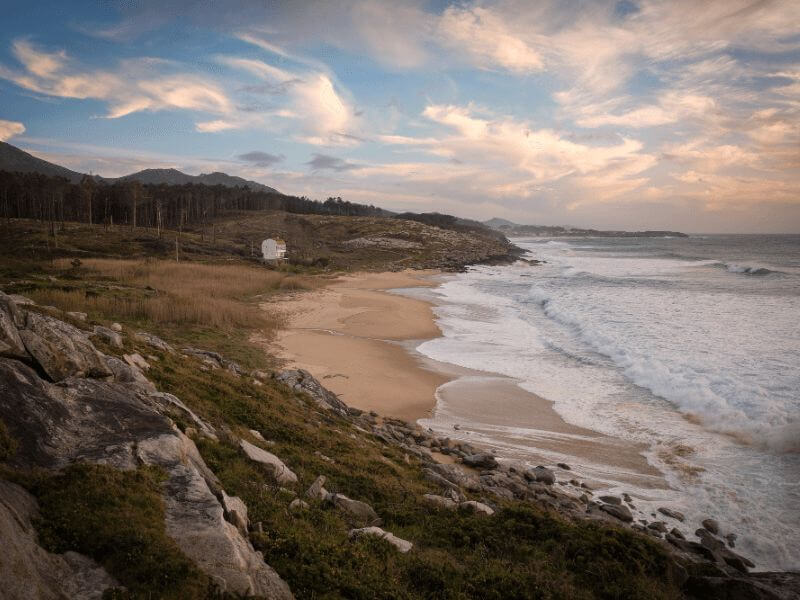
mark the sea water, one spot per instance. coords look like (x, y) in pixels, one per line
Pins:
(689, 346)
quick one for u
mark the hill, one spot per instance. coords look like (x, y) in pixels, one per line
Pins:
(512, 229)
(175, 177)
(14, 160)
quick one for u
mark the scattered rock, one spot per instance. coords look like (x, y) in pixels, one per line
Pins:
(481, 461)
(671, 513)
(611, 500)
(476, 507)
(78, 316)
(401, 545)
(439, 501)
(154, 341)
(274, 465)
(677, 533)
(658, 526)
(564, 466)
(116, 327)
(620, 512)
(357, 510)
(731, 538)
(214, 360)
(456, 476)
(298, 505)
(317, 491)
(711, 525)
(235, 512)
(542, 475)
(319, 454)
(109, 336)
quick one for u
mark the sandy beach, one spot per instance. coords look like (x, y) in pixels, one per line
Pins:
(349, 336)
(358, 339)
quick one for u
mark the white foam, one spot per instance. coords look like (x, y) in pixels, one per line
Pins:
(619, 344)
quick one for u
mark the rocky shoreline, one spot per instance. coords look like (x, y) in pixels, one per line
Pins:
(64, 402)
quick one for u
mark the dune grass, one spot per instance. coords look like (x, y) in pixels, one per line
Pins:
(222, 296)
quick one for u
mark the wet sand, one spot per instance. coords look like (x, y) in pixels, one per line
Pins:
(518, 424)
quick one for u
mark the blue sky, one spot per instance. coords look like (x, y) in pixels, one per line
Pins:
(619, 114)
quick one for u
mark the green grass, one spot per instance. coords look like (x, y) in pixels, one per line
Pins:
(117, 518)
(523, 551)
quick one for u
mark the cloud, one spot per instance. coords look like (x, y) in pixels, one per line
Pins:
(310, 99)
(322, 162)
(9, 129)
(130, 88)
(486, 39)
(261, 159)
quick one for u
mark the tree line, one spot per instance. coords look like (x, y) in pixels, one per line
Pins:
(159, 206)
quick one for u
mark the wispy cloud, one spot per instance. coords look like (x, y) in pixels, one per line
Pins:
(134, 86)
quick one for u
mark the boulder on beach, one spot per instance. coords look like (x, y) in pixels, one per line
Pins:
(542, 475)
(668, 512)
(711, 525)
(480, 461)
(623, 513)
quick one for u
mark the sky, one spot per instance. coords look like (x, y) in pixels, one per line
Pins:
(621, 114)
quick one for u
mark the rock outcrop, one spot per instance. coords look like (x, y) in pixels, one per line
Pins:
(61, 349)
(302, 381)
(214, 360)
(123, 423)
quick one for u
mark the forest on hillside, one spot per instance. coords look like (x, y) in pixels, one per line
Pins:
(56, 200)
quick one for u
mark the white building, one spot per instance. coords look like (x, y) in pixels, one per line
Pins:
(273, 249)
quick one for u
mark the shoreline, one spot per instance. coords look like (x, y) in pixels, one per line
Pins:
(360, 340)
(351, 335)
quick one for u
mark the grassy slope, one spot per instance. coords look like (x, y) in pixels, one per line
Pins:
(521, 552)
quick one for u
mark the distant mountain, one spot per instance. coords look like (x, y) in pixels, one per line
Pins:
(175, 177)
(15, 160)
(511, 229)
(497, 223)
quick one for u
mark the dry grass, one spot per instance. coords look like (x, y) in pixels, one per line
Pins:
(164, 292)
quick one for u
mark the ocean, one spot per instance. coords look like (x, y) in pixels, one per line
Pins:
(688, 347)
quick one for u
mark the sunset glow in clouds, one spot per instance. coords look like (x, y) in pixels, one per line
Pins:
(629, 114)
